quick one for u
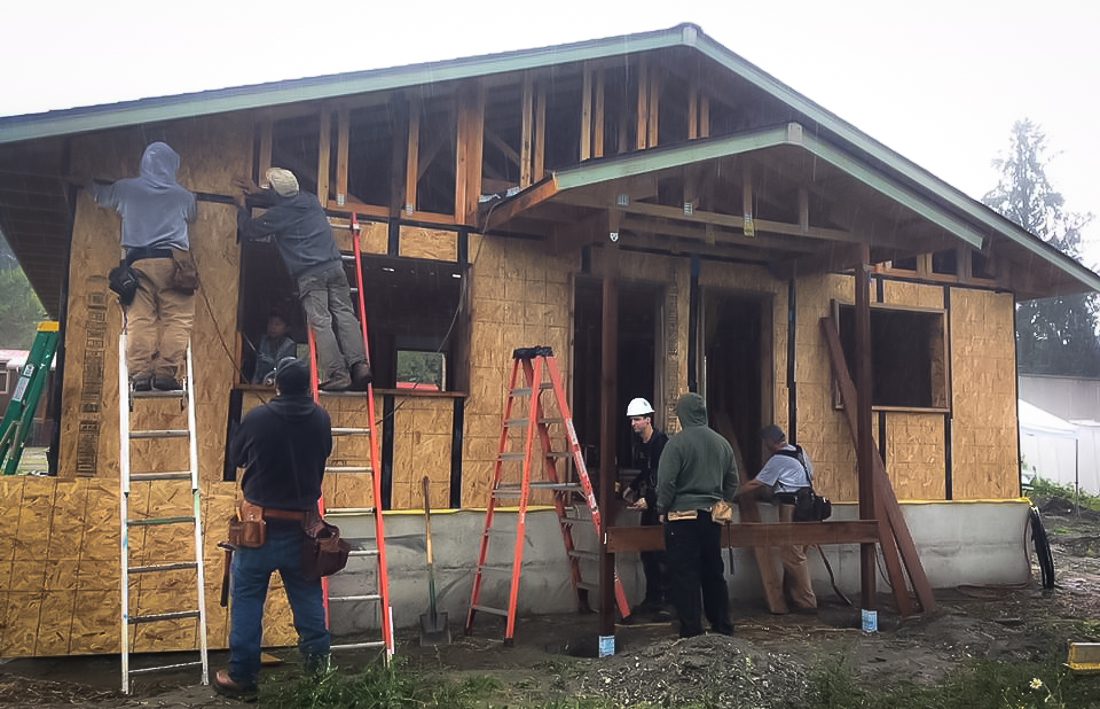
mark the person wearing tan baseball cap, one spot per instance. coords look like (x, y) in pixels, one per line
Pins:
(304, 238)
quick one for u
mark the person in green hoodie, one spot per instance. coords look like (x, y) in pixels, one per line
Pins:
(697, 470)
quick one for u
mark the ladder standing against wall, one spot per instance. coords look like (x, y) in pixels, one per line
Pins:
(362, 548)
(536, 363)
(129, 524)
(18, 420)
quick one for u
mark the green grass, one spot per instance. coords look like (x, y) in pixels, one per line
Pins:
(376, 687)
(1041, 488)
(978, 684)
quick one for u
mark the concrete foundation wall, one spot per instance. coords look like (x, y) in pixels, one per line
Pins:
(959, 543)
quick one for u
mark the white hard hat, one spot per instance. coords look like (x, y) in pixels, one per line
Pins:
(638, 407)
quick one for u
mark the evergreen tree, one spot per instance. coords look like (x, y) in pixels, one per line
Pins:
(1055, 335)
(20, 309)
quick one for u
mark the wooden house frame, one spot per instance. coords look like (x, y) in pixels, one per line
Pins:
(511, 195)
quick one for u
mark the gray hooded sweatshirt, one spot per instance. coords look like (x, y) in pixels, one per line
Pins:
(155, 209)
(697, 465)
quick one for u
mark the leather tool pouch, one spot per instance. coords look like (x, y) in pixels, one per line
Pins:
(721, 513)
(248, 529)
(323, 551)
(185, 277)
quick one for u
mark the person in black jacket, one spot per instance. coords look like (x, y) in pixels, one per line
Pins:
(304, 237)
(642, 493)
(282, 446)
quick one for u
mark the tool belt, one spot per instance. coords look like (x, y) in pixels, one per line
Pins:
(323, 551)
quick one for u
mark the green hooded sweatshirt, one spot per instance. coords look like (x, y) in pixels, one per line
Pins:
(697, 466)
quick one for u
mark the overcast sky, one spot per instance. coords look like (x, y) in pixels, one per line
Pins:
(940, 82)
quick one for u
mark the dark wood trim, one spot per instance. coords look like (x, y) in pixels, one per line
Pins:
(792, 352)
(693, 326)
(753, 535)
(387, 451)
(864, 442)
(393, 242)
(232, 420)
(609, 425)
(457, 428)
(948, 456)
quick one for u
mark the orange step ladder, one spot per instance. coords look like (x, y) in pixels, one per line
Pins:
(361, 548)
(536, 364)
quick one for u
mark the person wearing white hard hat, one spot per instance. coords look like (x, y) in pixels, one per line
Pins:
(642, 493)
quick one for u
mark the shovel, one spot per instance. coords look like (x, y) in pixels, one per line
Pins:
(433, 624)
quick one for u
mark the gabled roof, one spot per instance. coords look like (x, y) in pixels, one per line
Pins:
(831, 132)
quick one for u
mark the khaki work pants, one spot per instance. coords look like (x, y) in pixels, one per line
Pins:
(158, 322)
(796, 573)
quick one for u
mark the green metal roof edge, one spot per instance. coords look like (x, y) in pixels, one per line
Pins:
(79, 120)
(790, 134)
(893, 160)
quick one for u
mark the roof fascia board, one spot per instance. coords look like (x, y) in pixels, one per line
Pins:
(265, 95)
(790, 134)
(893, 160)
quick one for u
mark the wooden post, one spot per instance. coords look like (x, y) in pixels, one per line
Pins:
(412, 163)
(526, 111)
(598, 117)
(586, 114)
(266, 130)
(609, 420)
(343, 130)
(539, 147)
(693, 111)
(642, 132)
(323, 157)
(865, 450)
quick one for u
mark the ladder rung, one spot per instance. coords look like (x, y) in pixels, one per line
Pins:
(160, 433)
(347, 257)
(358, 646)
(157, 617)
(345, 511)
(493, 611)
(512, 455)
(159, 520)
(159, 394)
(161, 668)
(587, 586)
(524, 422)
(346, 392)
(350, 431)
(348, 469)
(559, 454)
(526, 391)
(501, 532)
(363, 552)
(590, 555)
(516, 490)
(363, 597)
(496, 569)
(163, 567)
(175, 475)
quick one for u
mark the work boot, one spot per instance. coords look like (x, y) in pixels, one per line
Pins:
(340, 381)
(164, 382)
(361, 376)
(229, 687)
(142, 382)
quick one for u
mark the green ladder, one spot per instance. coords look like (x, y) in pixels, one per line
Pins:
(19, 418)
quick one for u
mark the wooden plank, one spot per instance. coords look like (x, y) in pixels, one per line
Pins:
(654, 109)
(475, 136)
(693, 111)
(753, 534)
(804, 209)
(586, 114)
(462, 154)
(887, 502)
(539, 148)
(265, 128)
(521, 202)
(324, 156)
(412, 159)
(598, 118)
(343, 129)
(399, 155)
(526, 112)
(642, 132)
(864, 441)
(704, 116)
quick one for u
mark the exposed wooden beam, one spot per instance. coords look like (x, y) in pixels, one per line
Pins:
(652, 126)
(265, 129)
(412, 157)
(527, 107)
(586, 114)
(710, 234)
(539, 167)
(598, 118)
(324, 156)
(343, 148)
(642, 133)
(521, 202)
(804, 209)
(704, 116)
(693, 111)
(470, 142)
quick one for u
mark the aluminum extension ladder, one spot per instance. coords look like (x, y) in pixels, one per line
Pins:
(127, 399)
(378, 596)
(536, 363)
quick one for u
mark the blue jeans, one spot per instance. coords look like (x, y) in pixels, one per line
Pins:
(251, 575)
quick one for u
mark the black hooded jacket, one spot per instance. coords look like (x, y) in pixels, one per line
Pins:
(283, 446)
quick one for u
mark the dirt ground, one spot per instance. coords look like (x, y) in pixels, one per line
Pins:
(769, 662)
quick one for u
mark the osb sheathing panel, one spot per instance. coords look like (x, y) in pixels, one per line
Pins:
(213, 151)
(822, 429)
(422, 446)
(510, 281)
(915, 455)
(437, 244)
(374, 237)
(984, 453)
(67, 601)
(914, 294)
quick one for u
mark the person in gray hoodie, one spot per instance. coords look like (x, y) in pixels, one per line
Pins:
(697, 470)
(155, 212)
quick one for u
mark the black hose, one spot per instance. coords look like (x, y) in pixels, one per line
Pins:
(1042, 548)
